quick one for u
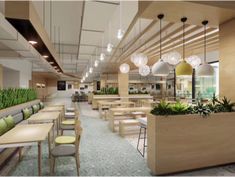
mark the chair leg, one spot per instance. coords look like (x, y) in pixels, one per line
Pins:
(52, 166)
(20, 153)
(77, 164)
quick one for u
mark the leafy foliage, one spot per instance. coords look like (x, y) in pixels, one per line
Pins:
(215, 106)
(201, 109)
(162, 108)
(226, 105)
(179, 108)
(13, 96)
(107, 91)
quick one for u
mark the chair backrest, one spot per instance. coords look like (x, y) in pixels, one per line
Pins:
(78, 132)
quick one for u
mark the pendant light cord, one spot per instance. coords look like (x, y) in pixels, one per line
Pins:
(160, 17)
(183, 41)
(160, 38)
(204, 43)
(184, 19)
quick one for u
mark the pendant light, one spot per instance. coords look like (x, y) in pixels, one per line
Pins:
(109, 45)
(124, 68)
(102, 54)
(194, 61)
(205, 69)
(183, 68)
(160, 68)
(120, 32)
(144, 70)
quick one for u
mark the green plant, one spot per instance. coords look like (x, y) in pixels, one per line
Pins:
(226, 105)
(107, 91)
(13, 96)
(201, 109)
(162, 108)
(179, 108)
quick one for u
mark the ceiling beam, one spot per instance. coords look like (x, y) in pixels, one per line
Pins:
(124, 58)
(141, 34)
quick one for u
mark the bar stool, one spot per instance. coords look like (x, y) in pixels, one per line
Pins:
(143, 125)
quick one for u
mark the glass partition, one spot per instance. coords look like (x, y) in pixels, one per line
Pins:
(205, 87)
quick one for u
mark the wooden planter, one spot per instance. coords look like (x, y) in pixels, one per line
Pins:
(186, 142)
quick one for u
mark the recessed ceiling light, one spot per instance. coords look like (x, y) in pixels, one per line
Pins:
(51, 62)
(33, 42)
(45, 56)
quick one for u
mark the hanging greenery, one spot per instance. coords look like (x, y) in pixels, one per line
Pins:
(14, 96)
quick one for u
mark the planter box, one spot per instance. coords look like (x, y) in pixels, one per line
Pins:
(186, 142)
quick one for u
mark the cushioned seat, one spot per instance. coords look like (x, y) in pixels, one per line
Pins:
(63, 150)
(65, 140)
(68, 122)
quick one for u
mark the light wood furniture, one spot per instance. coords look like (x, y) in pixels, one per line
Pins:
(108, 104)
(97, 98)
(127, 111)
(67, 150)
(28, 135)
(53, 109)
(123, 124)
(45, 117)
(186, 142)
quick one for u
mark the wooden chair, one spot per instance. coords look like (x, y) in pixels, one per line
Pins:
(67, 150)
(68, 124)
(62, 139)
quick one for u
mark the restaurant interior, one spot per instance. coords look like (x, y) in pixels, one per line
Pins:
(117, 88)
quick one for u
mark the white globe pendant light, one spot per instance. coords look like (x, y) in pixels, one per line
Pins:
(183, 69)
(144, 70)
(140, 59)
(102, 56)
(96, 63)
(124, 68)
(205, 69)
(90, 70)
(160, 68)
(172, 58)
(194, 61)
(109, 47)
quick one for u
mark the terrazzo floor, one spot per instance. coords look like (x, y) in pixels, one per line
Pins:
(102, 153)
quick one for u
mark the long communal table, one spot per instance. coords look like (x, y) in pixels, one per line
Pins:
(28, 135)
(128, 110)
(109, 104)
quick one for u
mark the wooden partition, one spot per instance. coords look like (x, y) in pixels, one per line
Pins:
(186, 142)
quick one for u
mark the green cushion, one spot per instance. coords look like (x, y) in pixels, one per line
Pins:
(26, 113)
(3, 127)
(35, 108)
(41, 104)
(10, 122)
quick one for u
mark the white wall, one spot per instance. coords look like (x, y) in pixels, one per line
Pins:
(11, 78)
(24, 67)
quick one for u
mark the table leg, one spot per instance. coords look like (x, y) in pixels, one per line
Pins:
(57, 126)
(53, 129)
(39, 159)
(49, 143)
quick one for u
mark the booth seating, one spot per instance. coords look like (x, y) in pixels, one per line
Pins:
(15, 116)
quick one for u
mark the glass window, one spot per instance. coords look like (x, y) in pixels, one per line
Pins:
(205, 87)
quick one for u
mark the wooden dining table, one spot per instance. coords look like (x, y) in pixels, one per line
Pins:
(52, 109)
(46, 117)
(127, 111)
(109, 104)
(28, 135)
